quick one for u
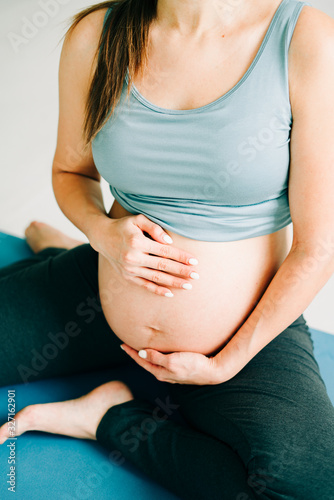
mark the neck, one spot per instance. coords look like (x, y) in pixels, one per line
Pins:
(199, 17)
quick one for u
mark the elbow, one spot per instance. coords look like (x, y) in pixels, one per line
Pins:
(58, 167)
(55, 184)
(318, 254)
(57, 177)
(55, 172)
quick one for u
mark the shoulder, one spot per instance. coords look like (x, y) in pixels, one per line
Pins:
(311, 52)
(86, 34)
(80, 48)
(314, 31)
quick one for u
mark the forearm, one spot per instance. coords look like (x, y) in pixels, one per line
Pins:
(294, 286)
(80, 199)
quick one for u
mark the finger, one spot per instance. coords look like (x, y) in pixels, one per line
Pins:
(169, 252)
(153, 229)
(161, 278)
(155, 357)
(149, 355)
(169, 266)
(150, 286)
(157, 371)
(161, 373)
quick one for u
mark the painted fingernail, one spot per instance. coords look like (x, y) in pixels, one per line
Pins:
(193, 262)
(187, 286)
(142, 354)
(167, 238)
(169, 294)
(194, 276)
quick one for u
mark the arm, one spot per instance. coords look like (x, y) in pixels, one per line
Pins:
(310, 262)
(76, 182)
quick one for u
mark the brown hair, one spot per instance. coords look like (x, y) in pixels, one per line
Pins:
(123, 43)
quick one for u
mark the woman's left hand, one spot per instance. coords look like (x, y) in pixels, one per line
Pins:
(178, 367)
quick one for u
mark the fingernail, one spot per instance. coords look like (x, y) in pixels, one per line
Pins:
(169, 294)
(122, 347)
(167, 238)
(194, 276)
(142, 354)
(187, 286)
(193, 262)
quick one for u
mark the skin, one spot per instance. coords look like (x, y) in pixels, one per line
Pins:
(284, 275)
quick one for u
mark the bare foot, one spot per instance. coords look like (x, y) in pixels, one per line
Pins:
(77, 418)
(40, 235)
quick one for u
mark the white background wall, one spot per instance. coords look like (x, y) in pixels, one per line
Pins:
(29, 114)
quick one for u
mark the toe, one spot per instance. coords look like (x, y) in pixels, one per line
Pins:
(3, 433)
(30, 227)
(24, 421)
(27, 229)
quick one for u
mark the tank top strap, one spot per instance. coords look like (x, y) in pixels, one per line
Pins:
(269, 82)
(296, 7)
(287, 16)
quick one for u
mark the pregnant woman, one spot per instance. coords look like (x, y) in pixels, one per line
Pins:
(213, 123)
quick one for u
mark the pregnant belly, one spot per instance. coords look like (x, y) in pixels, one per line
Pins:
(233, 277)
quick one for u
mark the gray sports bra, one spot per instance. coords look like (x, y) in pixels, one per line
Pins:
(214, 173)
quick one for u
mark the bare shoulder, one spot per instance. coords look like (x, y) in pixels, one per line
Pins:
(88, 30)
(314, 30)
(79, 50)
(312, 48)
(84, 38)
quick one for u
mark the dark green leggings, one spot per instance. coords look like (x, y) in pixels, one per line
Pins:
(268, 433)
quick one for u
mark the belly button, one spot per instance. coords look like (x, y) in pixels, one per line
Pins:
(155, 331)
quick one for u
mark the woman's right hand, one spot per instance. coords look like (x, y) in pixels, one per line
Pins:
(151, 263)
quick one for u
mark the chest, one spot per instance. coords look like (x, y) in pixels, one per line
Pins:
(221, 154)
(183, 76)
